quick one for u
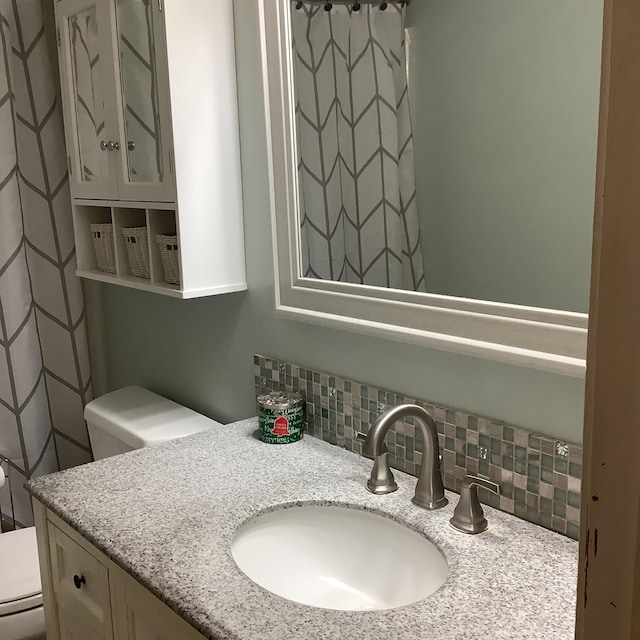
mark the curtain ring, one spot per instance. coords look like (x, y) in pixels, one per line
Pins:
(356, 6)
(328, 6)
(383, 6)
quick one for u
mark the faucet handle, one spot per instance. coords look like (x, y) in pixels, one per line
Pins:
(381, 480)
(468, 516)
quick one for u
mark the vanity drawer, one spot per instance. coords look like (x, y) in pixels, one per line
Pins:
(80, 583)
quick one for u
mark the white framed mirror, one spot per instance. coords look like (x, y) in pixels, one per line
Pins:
(487, 172)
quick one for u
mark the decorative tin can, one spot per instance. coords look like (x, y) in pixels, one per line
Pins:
(281, 417)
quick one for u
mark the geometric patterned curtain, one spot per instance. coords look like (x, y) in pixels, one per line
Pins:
(356, 173)
(44, 364)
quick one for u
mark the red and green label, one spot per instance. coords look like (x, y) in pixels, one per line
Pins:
(281, 426)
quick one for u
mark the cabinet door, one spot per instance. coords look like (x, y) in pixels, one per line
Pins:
(74, 628)
(139, 615)
(80, 584)
(88, 95)
(146, 171)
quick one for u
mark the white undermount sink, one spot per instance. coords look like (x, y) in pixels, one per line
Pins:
(338, 558)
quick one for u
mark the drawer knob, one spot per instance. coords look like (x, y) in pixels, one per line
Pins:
(79, 581)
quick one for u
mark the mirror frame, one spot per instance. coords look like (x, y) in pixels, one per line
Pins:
(544, 339)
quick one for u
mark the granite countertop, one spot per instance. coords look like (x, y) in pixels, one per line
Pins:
(167, 515)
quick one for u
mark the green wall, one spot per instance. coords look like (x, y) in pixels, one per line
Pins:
(199, 352)
(506, 96)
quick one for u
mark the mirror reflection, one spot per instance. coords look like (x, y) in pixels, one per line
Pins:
(449, 147)
(89, 107)
(139, 90)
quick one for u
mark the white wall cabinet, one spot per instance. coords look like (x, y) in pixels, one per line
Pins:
(151, 126)
(87, 597)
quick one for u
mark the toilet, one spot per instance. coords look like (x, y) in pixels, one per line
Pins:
(121, 421)
(133, 418)
(21, 613)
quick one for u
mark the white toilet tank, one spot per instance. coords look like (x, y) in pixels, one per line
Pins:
(132, 418)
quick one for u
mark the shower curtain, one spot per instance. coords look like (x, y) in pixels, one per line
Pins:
(44, 365)
(358, 210)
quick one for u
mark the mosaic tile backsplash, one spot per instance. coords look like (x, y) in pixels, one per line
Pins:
(539, 476)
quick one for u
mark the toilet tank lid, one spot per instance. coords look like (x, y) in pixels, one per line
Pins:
(140, 418)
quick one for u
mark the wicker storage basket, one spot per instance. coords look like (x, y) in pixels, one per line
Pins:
(138, 250)
(169, 255)
(102, 235)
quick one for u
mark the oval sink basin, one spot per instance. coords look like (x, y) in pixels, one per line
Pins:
(338, 558)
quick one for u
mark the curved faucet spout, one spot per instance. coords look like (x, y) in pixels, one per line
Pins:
(429, 489)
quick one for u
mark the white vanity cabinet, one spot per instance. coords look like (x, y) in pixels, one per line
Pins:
(151, 126)
(87, 597)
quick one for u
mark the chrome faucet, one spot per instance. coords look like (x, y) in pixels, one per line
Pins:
(429, 489)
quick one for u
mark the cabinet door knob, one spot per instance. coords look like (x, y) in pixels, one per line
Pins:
(104, 145)
(78, 581)
(116, 146)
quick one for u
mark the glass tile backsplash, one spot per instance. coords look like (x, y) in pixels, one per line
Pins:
(539, 476)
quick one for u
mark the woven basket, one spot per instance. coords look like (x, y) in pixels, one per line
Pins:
(102, 235)
(138, 251)
(169, 255)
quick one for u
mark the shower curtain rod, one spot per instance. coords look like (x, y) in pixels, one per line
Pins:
(356, 5)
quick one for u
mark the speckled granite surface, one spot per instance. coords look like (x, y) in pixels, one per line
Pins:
(167, 515)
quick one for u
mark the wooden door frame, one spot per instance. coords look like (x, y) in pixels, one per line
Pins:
(609, 577)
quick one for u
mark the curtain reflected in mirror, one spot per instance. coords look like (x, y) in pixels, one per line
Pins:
(448, 147)
(357, 192)
(87, 94)
(139, 91)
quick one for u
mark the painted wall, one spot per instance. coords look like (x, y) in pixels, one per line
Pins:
(505, 97)
(199, 352)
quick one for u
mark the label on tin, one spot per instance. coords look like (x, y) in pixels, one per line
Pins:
(281, 425)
